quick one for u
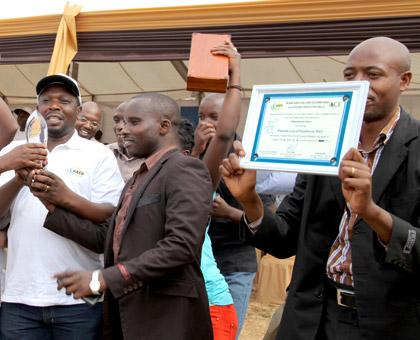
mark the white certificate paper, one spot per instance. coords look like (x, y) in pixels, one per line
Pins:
(303, 127)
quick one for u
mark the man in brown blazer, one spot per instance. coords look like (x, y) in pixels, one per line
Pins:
(152, 281)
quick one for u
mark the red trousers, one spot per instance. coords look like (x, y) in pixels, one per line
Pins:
(224, 321)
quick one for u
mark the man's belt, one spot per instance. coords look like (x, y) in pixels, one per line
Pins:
(345, 298)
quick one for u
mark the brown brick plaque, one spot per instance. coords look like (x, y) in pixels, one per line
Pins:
(207, 72)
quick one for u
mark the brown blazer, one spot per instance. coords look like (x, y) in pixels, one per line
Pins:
(165, 297)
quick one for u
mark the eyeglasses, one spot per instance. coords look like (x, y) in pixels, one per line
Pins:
(84, 120)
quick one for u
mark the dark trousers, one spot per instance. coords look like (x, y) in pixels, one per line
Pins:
(72, 322)
(337, 323)
(112, 323)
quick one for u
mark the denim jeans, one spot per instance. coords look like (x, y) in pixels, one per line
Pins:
(240, 286)
(71, 322)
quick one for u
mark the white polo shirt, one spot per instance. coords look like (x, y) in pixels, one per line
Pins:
(35, 254)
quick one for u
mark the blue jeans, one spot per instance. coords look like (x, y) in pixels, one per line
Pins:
(72, 322)
(240, 286)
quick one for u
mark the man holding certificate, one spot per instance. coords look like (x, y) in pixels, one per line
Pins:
(356, 236)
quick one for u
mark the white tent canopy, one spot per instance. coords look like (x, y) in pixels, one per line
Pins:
(111, 83)
(271, 30)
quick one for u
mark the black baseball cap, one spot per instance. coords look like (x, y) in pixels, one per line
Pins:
(60, 79)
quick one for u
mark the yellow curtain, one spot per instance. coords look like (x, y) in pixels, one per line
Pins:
(65, 47)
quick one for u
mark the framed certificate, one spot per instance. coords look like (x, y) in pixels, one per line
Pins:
(303, 127)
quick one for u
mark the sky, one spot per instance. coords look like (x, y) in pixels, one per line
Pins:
(28, 8)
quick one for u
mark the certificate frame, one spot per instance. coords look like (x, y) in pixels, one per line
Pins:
(321, 122)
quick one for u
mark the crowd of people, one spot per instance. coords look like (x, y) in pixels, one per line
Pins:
(153, 236)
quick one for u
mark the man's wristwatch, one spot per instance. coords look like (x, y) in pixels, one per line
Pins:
(94, 284)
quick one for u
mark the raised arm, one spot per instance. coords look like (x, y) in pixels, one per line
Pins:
(82, 231)
(31, 156)
(274, 233)
(8, 192)
(230, 114)
(241, 183)
(8, 125)
(22, 159)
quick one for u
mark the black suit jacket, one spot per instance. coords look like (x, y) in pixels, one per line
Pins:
(387, 283)
(165, 296)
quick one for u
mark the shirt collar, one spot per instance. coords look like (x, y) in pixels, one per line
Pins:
(119, 153)
(387, 130)
(390, 126)
(75, 142)
(155, 157)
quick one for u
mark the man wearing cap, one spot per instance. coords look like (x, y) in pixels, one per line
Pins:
(22, 115)
(81, 176)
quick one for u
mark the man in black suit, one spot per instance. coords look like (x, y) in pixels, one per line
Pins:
(356, 237)
(152, 281)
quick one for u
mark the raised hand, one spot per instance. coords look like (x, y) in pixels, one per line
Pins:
(229, 50)
(356, 185)
(32, 156)
(356, 182)
(240, 182)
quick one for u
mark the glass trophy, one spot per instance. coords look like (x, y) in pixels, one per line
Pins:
(36, 130)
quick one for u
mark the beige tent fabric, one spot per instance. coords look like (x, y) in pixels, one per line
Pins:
(65, 47)
(247, 13)
(272, 279)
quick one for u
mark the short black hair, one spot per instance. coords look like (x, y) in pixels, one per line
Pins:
(161, 104)
(186, 134)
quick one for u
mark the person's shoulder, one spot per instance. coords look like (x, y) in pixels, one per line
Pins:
(95, 152)
(179, 163)
(187, 170)
(94, 146)
(405, 115)
(182, 160)
(408, 126)
(414, 121)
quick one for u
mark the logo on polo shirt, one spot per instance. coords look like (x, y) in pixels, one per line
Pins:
(76, 172)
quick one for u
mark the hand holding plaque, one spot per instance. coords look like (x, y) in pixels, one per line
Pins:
(207, 72)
